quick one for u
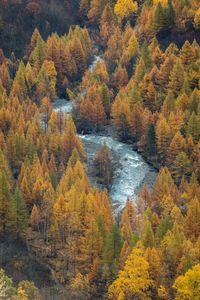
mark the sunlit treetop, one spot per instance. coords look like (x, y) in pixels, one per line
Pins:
(197, 19)
(162, 2)
(125, 8)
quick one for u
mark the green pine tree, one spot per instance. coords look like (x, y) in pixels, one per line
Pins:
(148, 235)
(151, 140)
(159, 18)
(21, 212)
(7, 208)
(146, 55)
(193, 127)
(112, 249)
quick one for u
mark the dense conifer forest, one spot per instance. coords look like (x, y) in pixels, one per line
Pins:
(100, 149)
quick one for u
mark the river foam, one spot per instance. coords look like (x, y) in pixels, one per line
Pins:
(132, 170)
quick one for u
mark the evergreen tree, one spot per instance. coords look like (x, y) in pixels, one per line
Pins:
(159, 18)
(7, 208)
(146, 56)
(165, 225)
(38, 55)
(112, 249)
(21, 212)
(105, 93)
(170, 15)
(19, 87)
(46, 81)
(34, 40)
(103, 165)
(147, 235)
(120, 112)
(151, 140)
(181, 166)
(193, 127)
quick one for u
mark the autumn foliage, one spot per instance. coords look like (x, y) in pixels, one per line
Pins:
(147, 95)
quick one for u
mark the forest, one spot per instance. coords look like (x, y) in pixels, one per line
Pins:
(99, 150)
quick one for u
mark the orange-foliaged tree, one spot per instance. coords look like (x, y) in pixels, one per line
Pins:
(151, 96)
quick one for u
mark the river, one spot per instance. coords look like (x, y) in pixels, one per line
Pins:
(130, 171)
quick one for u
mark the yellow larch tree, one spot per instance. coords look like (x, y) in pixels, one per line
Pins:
(162, 2)
(124, 8)
(134, 280)
(188, 286)
(197, 19)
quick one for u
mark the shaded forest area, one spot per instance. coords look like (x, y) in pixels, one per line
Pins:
(18, 19)
(57, 16)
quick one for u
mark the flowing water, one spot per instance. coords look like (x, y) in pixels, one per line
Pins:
(131, 171)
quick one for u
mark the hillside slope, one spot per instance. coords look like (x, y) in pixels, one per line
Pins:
(19, 19)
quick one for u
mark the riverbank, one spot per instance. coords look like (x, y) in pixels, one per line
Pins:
(131, 171)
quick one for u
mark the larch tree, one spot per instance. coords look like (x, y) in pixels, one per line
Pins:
(98, 113)
(95, 11)
(131, 51)
(177, 78)
(192, 221)
(120, 77)
(34, 219)
(177, 145)
(107, 23)
(38, 54)
(128, 221)
(188, 286)
(136, 122)
(162, 2)
(187, 54)
(71, 141)
(181, 166)
(197, 18)
(120, 112)
(163, 135)
(156, 269)
(5, 77)
(46, 109)
(162, 187)
(103, 165)
(133, 280)
(34, 39)
(19, 87)
(46, 81)
(172, 247)
(125, 8)
(30, 78)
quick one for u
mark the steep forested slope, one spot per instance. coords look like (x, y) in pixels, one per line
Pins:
(18, 19)
(145, 92)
